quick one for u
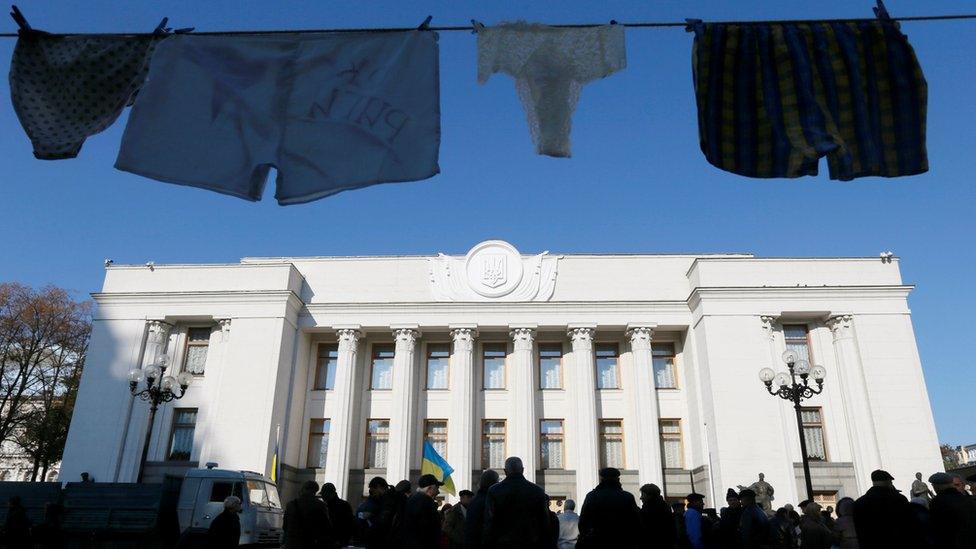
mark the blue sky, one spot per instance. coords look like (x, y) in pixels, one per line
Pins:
(637, 181)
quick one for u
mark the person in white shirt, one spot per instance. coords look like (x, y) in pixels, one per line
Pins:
(568, 526)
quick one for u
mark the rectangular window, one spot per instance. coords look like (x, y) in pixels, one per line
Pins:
(607, 356)
(798, 338)
(493, 444)
(612, 443)
(325, 367)
(221, 490)
(493, 357)
(318, 442)
(550, 366)
(382, 368)
(181, 437)
(671, 448)
(813, 433)
(377, 443)
(551, 443)
(663, 357)
(438, 366)
(435, 432)
(197, 344)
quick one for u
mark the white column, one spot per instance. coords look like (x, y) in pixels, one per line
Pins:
(402, 422)
(787, 418)
(857, 404)
(648, 418)
(460, 426)
(585, 436)
(156, 341)
(524, 423)
(340, 430)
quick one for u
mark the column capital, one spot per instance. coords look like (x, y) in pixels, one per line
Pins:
(640, 337)
(224, 324)
(522, 337)
(348, 338)
(768, 322)
(581, 336)
(464, 333)
(158, 330)
(405, 335)
(842, 326)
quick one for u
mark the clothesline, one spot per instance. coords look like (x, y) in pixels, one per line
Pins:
(470, 27)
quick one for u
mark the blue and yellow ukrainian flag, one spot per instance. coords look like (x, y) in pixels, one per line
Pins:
(275, 460)
(434, 464)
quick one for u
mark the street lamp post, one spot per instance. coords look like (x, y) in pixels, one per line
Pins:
(789, 387)
(159, 388)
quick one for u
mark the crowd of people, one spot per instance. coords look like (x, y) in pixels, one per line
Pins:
(515, 513)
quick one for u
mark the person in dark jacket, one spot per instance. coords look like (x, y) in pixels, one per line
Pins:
(474, 523)
(657, 518)
(306, 523)
(455, 520)
(374, 516)
(421, 524)
(340, 513)
(781, 535)
(814, 534)
(17, 529)
(952, 515)
(552, 540)
(225, 530)
(728, 522)
(882, 517)
(395, 505)
(516, 514)
(753, 522)
(609, 516)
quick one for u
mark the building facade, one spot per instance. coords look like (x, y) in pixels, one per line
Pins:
(647, 363)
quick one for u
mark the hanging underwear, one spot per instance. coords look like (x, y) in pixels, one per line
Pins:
(550, 66)
(328, 111)
(66, 88)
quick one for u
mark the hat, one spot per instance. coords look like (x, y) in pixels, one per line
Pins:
(378, 482)
(804, 503)
(730, 494)
(941, 478)
(880, 475)
(428, 480)
(609, 472)
(747, 493)
(695, 497)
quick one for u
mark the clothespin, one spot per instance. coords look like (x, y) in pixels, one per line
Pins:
(20, 19)
(690, 24)
(881, 12)
(476, 26)
(426, 24)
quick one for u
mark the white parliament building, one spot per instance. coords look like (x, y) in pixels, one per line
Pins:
(643, 362)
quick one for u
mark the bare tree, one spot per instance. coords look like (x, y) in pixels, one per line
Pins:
(43, 340)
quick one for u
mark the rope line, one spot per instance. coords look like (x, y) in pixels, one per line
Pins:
(471, 28)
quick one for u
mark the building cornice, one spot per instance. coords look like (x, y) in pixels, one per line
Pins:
(797, 292)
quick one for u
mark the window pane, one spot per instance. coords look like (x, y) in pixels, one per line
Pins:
(606, 367)
(327, 364)
(318, 442)
(494, 361)
(810, 415)
(552, 443)
(377, 443)
(664, 377)
(550, 363)
(181, 444)
(672, 454)
(436, 434)
(493, 444)
(815, 443)
(611, 443)
(438, 366)
(796, 339)
(196, 359)
(382, 368)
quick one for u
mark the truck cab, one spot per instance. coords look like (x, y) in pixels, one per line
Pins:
(202, 499)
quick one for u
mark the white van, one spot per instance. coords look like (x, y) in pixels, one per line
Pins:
(202, 499)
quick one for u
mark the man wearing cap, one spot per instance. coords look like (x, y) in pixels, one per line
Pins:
(421, 521)
(952, 514)
(883, 518)
(657, 518)
(695, 525)
(609, 517)
(516, 511)
(729, 516)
